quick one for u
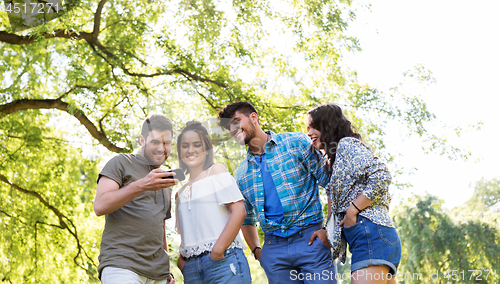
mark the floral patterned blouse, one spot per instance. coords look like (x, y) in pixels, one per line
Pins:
(358, 171)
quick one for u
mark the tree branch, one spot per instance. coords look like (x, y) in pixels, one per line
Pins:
(43, 137)
(92, 39)
(26, 224)
(25, 104)
(13, 153)
(39, 197)
(97, 18)
(190, 76)
(290, 107)
(195, 77)
(29, 39)
(104, 116)
(205, 98)
(61, 33)
(63, 225)
(208, 101)
(74, 88)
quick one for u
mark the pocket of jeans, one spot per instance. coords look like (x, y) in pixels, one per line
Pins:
(389, 235)
(351, 232)
(351, 227)
(321, 246)
(221, 259)
(184, 266)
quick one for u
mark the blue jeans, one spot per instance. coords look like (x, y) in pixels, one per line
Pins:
(293, 260)
(232, 268)
(373, 244)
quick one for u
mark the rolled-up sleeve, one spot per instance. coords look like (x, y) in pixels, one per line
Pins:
(378, 182)
(251, 218)
(370, 171)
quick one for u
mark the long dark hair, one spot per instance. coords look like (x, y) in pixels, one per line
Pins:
(333, 125)
(206, 140)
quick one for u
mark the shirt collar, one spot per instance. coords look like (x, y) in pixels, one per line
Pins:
(272, 141)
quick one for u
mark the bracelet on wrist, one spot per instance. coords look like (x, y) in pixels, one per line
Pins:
(356, 207)
(253, 251)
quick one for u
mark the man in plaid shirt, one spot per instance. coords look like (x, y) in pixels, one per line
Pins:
(279, 179)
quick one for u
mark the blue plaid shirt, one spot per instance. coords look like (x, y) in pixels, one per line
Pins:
(296, 173)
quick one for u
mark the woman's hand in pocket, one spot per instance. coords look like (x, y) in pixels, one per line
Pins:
(216, 255)
(350, 217)
(181, 261)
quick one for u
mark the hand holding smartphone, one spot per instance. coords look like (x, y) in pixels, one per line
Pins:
(179, 174)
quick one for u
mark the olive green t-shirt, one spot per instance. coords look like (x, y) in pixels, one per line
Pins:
(133, 235)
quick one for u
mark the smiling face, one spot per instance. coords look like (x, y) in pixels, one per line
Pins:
(242, 127)
(156, 146)
(192, 150)
(314, 134)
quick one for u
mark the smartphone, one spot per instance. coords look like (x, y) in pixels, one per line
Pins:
(179, 174)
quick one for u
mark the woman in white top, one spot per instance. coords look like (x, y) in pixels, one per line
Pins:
(210, 211)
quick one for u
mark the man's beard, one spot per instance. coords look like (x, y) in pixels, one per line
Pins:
(151, 159)
(250, 134)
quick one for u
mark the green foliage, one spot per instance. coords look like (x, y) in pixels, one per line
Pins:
(82, 84)
(484, 205)
(432, 242)
(46, 222)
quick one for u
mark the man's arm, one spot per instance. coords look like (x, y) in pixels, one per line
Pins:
(110, 197)
(252, 238)
(321, 234)
(314, 164)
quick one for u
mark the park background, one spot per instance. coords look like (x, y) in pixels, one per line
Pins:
(418, 79)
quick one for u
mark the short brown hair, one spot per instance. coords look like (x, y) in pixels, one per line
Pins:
(157, 122)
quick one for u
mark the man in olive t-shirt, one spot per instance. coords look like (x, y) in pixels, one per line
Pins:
(135, 199)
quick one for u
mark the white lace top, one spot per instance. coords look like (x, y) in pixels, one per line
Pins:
(202, 214)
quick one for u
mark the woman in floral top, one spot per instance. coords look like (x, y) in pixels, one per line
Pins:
(359, 195)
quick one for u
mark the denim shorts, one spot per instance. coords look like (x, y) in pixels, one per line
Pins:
(232, 268)
(373, 244)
